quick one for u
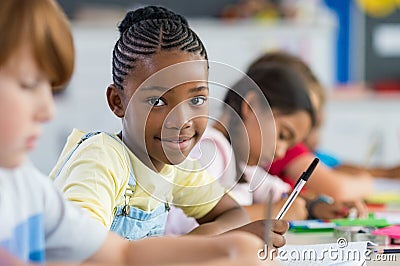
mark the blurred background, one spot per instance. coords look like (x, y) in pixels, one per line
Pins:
(353, 46)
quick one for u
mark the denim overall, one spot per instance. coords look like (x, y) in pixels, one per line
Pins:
(130, 222)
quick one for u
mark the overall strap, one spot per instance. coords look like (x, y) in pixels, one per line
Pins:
(85, 137)
(132, 178)
(130, 189)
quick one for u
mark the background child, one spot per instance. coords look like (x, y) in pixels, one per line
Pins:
(293, 116)
(347, 190)
(37, 224)
(160, 90)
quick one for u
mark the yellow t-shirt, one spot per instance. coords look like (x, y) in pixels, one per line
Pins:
(96, 176)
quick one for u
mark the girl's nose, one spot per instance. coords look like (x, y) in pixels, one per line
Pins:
(178, 118)
(280, 151)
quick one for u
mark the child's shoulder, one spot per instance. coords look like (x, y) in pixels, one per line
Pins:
(92, 139)
(26, 173)
(16, 182)
(107, 148)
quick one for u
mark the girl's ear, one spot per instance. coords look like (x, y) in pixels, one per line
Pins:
(249, 104)
(114, 99)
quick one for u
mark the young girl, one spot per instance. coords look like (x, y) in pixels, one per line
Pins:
(37, 224)
(127, 181)
(345, 189)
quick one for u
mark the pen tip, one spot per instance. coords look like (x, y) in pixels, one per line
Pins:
(310, 169)
(314, 164)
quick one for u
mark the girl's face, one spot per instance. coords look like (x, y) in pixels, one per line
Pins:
(267, 142)
(25, 103)
(290, 130)
(166, 108)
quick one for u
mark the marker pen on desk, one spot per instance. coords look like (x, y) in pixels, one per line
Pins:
(388, 251)
(297, 188)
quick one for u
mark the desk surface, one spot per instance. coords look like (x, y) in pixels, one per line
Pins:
(388, 211)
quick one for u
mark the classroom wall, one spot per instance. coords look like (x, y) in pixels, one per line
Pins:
(364, 130)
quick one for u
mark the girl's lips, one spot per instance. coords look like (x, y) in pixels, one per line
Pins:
(176, 144)
(31, 142)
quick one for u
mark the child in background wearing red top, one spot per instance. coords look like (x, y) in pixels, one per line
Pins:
(346, 190)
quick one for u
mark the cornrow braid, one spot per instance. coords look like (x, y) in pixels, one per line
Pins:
(146, 31)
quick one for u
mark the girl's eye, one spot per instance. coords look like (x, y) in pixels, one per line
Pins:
(156, 102)
(199, 100)
(283, 136)
(29, 85)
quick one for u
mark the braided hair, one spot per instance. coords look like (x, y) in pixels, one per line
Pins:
(146, 31)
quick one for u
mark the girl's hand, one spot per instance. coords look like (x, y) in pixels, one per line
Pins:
(338, 209)
(297, 210)
(276, 236)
